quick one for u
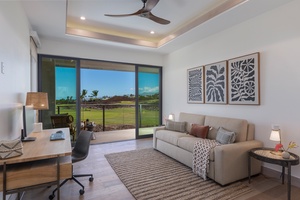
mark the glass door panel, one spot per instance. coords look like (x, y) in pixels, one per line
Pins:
(148, 99)
(58, 79)
(107, 95)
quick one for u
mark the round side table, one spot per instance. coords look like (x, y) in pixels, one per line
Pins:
(266, 155)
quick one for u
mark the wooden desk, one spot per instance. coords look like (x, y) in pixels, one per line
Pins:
(43, 162)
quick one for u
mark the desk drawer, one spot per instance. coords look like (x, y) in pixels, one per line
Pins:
(35, 173)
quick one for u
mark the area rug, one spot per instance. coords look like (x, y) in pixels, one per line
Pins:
(151, 175)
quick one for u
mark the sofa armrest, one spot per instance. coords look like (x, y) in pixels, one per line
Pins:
(158, 128)
(155, 129)
(231, 161)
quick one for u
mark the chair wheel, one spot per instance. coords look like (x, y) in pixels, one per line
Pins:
(81, 191)
(91, 179)
(51, 196)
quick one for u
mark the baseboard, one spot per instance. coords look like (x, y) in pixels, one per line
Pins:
(273, 173)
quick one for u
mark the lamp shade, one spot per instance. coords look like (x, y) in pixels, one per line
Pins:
(275, 135)
(39, 100)
(171, 117)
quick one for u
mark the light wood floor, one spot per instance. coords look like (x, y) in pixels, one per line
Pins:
(107, 185)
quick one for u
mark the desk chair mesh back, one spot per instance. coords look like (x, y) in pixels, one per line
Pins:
(79, 152)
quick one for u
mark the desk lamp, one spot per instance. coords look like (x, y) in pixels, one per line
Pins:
(39, 101)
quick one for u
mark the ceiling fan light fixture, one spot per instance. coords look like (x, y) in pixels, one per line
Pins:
(82, 17)
(152, 32)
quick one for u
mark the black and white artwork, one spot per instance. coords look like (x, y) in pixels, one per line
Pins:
(216, 83)
(243, 76)
(195, 85)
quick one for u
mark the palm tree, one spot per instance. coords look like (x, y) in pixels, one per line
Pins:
(94, 94)
(83, 94)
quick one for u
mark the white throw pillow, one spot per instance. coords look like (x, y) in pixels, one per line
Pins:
(224, 136)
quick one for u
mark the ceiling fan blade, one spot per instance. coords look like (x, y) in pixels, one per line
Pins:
(145, 12)
(126, 15)
(158, 19)
(150, 4)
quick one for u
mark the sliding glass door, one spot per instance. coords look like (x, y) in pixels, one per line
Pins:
(101, 96)
(148, 98)
(58, 78)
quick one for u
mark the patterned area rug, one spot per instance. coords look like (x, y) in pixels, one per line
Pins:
(149, 174)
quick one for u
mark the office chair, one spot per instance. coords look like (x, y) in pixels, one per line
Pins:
(79, 152)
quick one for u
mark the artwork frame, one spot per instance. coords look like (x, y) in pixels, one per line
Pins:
(244, 80)
(195, 85)
(216, 83)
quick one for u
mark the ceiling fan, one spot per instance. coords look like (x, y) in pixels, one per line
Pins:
(145, 12)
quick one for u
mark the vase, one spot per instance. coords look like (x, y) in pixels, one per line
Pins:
(286, 155)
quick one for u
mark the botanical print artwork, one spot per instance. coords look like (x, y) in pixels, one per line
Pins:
(216, 83)
(244, 80)
(195, 85)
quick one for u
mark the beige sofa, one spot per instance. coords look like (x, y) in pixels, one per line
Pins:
(228, 162)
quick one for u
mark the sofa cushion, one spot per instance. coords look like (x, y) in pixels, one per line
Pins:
(191, 119)
(199, 131)
(176, 126)
(239, 126)
(187, 143)
(169, 136)
(224, 136)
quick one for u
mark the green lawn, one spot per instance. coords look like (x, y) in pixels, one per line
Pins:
(124, 115)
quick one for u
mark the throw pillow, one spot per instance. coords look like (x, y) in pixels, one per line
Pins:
(224, 136)
(176, 126)
(199, 131)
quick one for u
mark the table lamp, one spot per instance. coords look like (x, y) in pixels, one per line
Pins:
(39, 101)
(171, 117)
(275, 136)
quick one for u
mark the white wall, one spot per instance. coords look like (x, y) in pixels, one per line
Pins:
(276, 35)
(98, 52)
(15, 57)
(14, 52)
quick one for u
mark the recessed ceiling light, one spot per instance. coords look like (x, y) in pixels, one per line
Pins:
(82, 18)
(152, 32)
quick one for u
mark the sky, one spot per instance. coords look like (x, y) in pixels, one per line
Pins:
(108, 83)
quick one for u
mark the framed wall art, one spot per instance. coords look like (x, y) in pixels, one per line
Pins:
(243, 80)
(216, 83)
(195, 85)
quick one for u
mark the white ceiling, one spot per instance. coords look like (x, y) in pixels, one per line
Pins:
(191, 20)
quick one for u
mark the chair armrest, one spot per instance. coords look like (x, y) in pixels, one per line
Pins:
(231, 161)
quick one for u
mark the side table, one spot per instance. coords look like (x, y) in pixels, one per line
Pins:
(265, 155)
